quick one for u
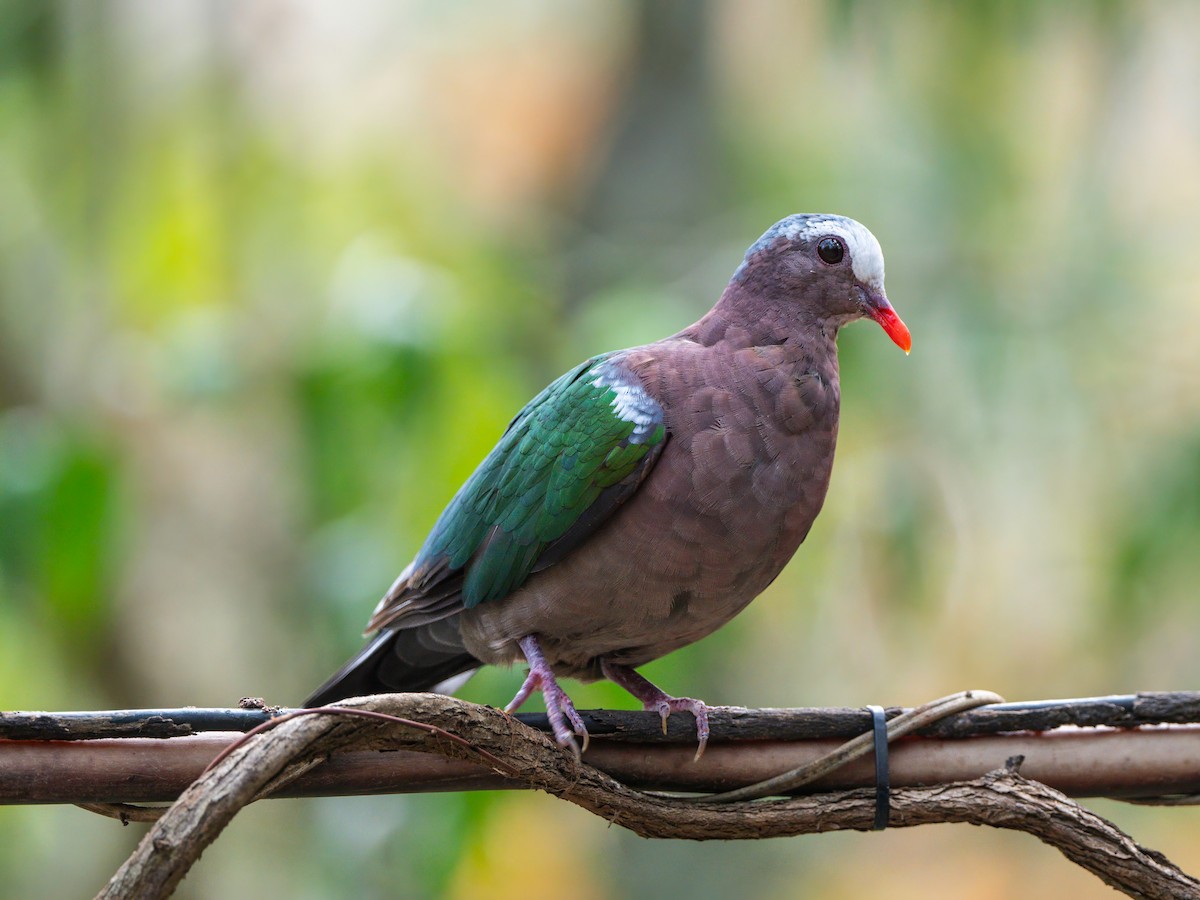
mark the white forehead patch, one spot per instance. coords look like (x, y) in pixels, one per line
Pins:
(866, 256)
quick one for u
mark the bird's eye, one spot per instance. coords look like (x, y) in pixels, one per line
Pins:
(831, 250)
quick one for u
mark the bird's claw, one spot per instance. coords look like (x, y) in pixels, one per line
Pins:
(698, 708)
(562, 711)
(564, 718)
(559, 709)
(655, 699)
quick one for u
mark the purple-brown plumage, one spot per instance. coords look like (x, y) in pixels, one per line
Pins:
(749, 399)
(732, 496)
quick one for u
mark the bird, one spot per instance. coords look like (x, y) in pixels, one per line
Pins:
(642, 499)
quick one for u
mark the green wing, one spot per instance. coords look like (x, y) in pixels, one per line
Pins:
(576, 452)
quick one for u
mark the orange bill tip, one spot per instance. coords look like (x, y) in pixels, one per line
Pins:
(894, 326)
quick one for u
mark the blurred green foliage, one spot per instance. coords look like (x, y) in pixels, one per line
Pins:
(274, 277)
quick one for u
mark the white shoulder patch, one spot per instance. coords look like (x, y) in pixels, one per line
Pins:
(630, 402)
(866, 256)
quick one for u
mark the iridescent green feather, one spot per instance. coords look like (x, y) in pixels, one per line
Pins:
(557, 458)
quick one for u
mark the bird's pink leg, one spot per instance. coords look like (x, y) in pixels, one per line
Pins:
(559, 707)
(654, 699)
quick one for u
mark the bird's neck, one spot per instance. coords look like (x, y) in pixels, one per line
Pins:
(741, 319)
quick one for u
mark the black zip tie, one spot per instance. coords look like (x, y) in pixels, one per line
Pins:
(883, 785)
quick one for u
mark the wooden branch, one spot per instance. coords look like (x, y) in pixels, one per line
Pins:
(1002, 798)
(732, 723)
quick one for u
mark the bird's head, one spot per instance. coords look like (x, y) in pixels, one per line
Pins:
(830, 264)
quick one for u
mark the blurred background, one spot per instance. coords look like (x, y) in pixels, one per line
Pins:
(274, 275)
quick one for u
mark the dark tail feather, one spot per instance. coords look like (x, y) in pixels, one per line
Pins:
(409, 659)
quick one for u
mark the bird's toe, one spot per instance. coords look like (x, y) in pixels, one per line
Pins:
(698, 709)
(565, 719)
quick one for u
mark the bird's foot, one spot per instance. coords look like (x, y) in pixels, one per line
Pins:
(559, 708)
(698, 708)
(654, 699)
